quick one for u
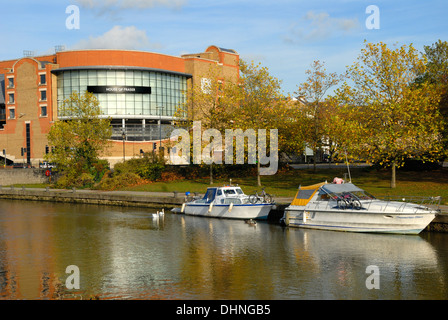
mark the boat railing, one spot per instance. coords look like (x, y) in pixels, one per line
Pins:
(424, 203)
(427, 203)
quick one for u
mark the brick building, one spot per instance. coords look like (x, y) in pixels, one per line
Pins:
(140, 92)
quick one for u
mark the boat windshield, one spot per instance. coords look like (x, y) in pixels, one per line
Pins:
(209, 195)
(335, 191)
(232, 192)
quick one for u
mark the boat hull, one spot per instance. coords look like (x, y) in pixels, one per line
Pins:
(359, 221)
(237, 211)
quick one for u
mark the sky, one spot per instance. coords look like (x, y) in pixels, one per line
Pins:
(285, 36)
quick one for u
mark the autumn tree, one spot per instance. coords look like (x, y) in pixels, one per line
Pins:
(206, 104)
(436, 73)
(390, 118)
(312, 105)
(79, 138)
(256, 103)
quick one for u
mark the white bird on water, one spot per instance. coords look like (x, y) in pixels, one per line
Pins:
(159, 214)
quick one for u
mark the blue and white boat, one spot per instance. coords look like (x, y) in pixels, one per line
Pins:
(346, 207)
(226, 202)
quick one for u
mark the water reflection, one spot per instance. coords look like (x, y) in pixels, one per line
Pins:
(126, 253)
(409, 266)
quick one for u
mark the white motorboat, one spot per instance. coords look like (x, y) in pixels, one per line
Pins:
(226, 202)
(346, 207)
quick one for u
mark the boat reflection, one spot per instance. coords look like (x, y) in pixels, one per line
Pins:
(409, 267)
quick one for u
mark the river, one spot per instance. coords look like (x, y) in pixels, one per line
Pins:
(125, 253)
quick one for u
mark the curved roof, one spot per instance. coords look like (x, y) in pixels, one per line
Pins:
(220, 49)
(59, 70)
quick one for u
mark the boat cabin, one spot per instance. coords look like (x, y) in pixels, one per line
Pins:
(224, 195)
(329, 191)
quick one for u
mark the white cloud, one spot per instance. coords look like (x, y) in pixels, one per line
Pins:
(125, 38)
(318, 26)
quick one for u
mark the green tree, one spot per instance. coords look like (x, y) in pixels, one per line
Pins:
(257, 101)
(436, 73)
(312, 92)
(79, 138)
(206, 103)
(389, 119)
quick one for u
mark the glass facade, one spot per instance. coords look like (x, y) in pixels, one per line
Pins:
(167, 91)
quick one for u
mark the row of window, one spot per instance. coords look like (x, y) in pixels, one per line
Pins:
(12, 112)
(167, 91)
(42, 93)
(42, 80)
(12, 100)
(43, 96)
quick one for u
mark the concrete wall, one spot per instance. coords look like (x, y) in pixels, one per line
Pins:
(22, 176)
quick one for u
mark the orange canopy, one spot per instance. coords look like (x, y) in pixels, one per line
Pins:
(304, 194)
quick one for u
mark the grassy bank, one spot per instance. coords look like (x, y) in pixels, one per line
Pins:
(285, 184)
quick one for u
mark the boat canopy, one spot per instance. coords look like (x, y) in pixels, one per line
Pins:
(304, 194)
(339, 188)
(209, 196)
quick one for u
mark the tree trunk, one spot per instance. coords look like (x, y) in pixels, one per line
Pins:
(211, 173)
(393, 179)
(258, 174)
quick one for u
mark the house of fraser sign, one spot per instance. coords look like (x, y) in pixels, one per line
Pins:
(118, 89)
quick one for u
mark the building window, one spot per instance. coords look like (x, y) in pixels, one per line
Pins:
(12, 113)
(43, 111)
(43, 95)
(2, 115)
(10, 82)
(11, 97)
(167, 90)
(43, 79)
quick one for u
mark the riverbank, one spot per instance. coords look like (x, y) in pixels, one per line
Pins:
(142, 199)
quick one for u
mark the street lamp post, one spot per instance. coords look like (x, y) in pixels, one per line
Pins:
(123, 135)
(160, 126)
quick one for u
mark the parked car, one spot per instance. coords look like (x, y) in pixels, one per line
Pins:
(46, 164)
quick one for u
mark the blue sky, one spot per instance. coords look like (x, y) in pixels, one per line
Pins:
(284, 35)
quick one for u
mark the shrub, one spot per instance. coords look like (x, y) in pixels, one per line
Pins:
(147, 167)
(84, 180)
(150, 171)
(113, 181)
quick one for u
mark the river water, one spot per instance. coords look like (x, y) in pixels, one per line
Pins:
(125, 253)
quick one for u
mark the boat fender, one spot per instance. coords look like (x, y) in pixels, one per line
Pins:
(231, 207)
(183, 208)
(211, 207)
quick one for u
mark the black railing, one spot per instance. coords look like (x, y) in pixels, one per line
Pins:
(135, 132)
